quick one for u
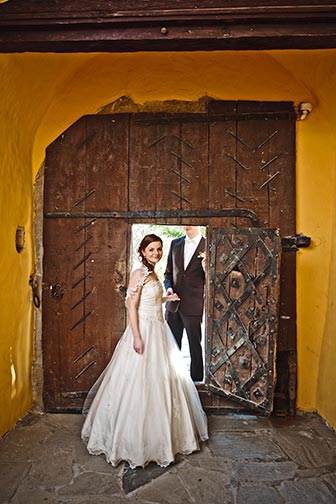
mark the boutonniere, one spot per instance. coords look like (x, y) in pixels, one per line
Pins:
(201, 255)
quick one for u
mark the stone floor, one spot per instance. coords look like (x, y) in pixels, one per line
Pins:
(247, 460)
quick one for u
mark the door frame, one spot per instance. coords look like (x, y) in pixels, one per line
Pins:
(83, 26)
(181, 215)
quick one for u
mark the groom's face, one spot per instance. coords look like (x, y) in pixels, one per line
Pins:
(191, 231)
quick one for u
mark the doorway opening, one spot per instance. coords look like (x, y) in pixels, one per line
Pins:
(167, 233)
(231, 168)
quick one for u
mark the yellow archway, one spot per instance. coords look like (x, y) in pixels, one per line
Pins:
(43, 94)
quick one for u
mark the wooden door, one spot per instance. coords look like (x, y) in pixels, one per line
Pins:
(230, 167)
(85, 257)
(243, 305)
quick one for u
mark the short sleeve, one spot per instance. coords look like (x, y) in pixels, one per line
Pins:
(141, 275)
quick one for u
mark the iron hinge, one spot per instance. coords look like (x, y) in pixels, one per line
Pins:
(293, 243)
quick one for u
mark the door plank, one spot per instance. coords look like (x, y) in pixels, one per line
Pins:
(62, 269)
(106, 184)
(222, 140)
(65, 168)
(104, 302)
(169, 178)
(142, 166)
(194, 166)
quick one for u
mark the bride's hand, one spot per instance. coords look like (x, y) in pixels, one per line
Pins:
(173, 297)
(138, 345)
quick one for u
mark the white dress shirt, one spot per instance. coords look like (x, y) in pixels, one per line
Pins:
(190, 245)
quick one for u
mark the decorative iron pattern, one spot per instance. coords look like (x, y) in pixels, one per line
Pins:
(252, 150)
(243, 213)
(79, 306)
(256, 150)
(182, 178)
(244, 293)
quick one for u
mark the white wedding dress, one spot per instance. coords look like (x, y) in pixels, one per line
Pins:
(145, 407)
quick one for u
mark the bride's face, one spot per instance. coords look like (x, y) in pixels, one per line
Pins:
(153, 252)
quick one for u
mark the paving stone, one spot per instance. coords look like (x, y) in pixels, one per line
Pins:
(330, 480)
(10, 476)
(206, 486)
(323, 431)
(220, 423)
(71, 422)
(27, 494)
(98, 499)
(87, 462)
(26, 451)
(25, 443)
(35, 432)
(135, 478)
(54, 469)
(64, 438)
(307, 491)
(261, 471)
(312, 472)
(205, 458)
(258, 494)
(297, 422)
(91, 483)
(247, 460)
(168, 489)
(243, 446)
(304, 448)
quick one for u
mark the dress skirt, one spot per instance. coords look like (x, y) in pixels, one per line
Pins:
(145, 407)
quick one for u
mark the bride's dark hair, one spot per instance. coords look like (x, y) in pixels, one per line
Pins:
(146, 240)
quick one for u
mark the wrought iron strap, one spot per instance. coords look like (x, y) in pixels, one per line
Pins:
(159, 214)
(244, 291)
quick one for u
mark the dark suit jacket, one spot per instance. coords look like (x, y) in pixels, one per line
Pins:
(188, 284)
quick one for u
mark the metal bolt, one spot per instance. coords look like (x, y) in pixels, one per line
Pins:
(164, 30)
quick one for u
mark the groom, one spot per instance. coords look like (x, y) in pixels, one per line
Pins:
(185, 276)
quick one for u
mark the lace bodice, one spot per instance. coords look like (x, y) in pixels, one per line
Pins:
(150, 306)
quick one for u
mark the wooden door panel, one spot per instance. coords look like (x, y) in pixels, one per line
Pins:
(222, 167)
(62, 269)
(222, 176)
(194, 166)
(102, 305)
(106, 184)
(251, 156)
(84, 313)
(106, 282)
(169, 176)
(142, 166)
(242, 315)
(65, 169)
(282, 188)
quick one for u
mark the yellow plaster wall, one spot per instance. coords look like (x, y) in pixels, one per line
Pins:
(15, 307)
(43, 94)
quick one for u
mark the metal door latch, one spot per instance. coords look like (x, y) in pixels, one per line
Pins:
(293, 243)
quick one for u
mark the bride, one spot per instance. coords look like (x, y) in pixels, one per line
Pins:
(144, 406)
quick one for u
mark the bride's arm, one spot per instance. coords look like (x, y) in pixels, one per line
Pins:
(132, 304)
